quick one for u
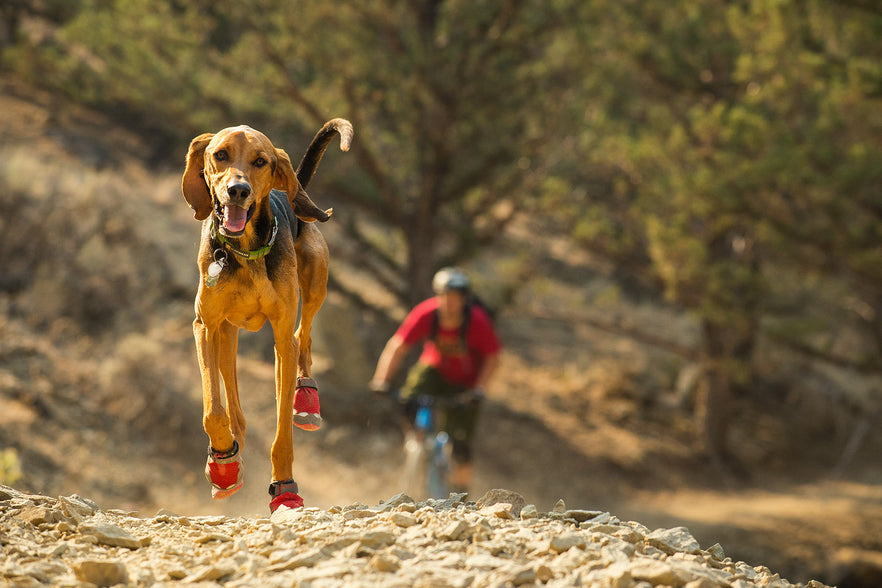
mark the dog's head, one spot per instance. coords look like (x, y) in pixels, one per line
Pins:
(230, 173)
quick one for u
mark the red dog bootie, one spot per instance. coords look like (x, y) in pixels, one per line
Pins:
(225, 471)
(307, 413)
(284, 493)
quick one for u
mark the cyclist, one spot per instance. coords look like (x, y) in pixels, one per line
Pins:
(460, 353)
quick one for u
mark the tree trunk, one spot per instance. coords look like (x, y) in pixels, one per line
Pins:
(715, 393)
(420, 261)
(728, 334)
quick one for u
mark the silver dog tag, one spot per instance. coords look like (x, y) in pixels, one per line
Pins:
(216, 267)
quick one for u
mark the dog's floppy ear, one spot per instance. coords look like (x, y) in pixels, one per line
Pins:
(193, 183)
(285, 179)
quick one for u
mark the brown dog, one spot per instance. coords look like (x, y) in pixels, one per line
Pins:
(259, 257)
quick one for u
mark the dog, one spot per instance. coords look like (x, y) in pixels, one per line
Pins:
(261, 256)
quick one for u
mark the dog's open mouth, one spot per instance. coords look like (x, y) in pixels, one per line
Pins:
(233, 218)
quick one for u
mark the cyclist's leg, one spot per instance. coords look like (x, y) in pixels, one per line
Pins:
(422, 379)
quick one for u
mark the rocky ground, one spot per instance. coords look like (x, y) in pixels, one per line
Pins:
(496, 541)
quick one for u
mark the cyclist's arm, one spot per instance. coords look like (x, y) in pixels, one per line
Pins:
(390, 360)
(488, 368)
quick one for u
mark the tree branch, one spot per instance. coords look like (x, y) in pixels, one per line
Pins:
(618, 327)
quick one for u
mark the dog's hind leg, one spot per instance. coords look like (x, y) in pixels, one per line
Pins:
(312, 273)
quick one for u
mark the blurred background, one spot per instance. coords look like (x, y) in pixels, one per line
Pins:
(674, 207)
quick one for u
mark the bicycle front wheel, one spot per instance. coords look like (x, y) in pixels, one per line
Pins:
(413, 476)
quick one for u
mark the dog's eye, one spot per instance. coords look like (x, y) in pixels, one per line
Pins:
(220, 155)
(260, 162)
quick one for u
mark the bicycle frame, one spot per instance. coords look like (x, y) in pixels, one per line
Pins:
(427, 463)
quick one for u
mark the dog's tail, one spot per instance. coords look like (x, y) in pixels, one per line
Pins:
(319, 143)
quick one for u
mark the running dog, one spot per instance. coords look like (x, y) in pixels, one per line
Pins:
(261, 255)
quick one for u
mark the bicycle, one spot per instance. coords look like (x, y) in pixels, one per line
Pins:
(427, 451)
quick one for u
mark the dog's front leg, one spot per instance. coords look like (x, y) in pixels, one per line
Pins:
(223, 468)
(283, 488)
(214, 418)
(228, 342)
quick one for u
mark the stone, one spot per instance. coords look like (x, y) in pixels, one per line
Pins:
(208, 537)
(45, 571)
(210, 573)
(655, 572)
(523, 576)
(358, 514)
(377, 539)
(101, 572)
(703, 583)
(529, 512)
(385, 563)
(307, 559)
(403, 519)
(394, 502)
(544, 573)
(498, 495)
(502, 510)
(77, 508)
(561, 543)
(673, 540)
(453, 531)
(109, 534)
(716, 551)
(580, 516)
(37, 515)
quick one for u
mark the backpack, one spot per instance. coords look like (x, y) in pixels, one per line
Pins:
(473, 300)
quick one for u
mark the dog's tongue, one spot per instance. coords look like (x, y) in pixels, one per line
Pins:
(234, 218)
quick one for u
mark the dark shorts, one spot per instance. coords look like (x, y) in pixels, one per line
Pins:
(459, 420)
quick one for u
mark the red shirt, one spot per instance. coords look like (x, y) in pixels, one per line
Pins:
(445, 352)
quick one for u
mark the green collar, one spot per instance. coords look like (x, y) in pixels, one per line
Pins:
(250, 255)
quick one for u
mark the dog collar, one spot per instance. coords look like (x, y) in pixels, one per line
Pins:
(250, 255)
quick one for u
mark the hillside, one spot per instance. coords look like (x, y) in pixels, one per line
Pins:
(99, 390)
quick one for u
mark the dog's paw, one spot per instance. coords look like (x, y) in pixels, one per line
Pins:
(307, 410)
(288, 499)
(284, 493)
(225, 472)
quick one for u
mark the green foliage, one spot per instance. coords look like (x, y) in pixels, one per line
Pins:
(737, 138)
(703, 146)
(10, 467)
(443, 97)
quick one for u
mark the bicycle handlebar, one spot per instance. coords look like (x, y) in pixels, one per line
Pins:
(462, 399)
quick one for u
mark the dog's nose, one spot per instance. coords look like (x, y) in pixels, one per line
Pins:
(239, 190)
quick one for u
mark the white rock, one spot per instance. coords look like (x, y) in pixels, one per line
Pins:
(674, 540)
(561, 543)
(109, 534)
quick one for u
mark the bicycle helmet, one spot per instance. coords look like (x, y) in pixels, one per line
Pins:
(450, 278)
